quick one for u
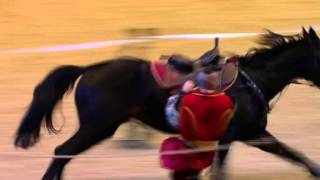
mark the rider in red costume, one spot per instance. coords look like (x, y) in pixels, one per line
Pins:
(204, 116)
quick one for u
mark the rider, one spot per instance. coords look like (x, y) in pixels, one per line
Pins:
(179, 65)
(204, 114)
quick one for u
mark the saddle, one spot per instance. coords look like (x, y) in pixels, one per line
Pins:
(161, 73)
(229, 72)
(165, 77)
(181, 63)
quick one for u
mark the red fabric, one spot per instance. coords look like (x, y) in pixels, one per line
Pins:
(158, 70)
(179, 162)
(160, 73)
(202, 117)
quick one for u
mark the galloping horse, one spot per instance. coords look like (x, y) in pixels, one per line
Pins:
(110, 92)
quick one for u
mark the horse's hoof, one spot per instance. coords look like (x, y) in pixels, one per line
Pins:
(135, 144)
(315, 170)
(217, 176)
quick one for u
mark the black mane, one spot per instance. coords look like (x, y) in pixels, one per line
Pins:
(272, 43)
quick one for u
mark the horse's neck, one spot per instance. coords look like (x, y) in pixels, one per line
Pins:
(277, 74)
(271, 83)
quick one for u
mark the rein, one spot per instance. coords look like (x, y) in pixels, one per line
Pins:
(257, 91)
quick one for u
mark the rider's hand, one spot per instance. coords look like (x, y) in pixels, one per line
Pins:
(188, 86)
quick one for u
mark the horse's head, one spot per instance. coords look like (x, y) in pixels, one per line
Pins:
(312, 71)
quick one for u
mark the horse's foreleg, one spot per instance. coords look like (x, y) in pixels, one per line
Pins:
(274, 146)
(84, 138)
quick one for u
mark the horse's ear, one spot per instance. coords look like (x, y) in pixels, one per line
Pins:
(314, 37)
(304, 32)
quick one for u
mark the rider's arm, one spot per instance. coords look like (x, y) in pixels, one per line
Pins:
(187, 87)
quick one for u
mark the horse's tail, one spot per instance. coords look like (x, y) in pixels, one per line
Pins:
(45, 97)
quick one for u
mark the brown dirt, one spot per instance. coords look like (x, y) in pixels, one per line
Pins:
(37, 23)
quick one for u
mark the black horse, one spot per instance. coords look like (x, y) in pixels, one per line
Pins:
(111, 92)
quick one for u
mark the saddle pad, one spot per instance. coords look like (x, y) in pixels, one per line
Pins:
(162, 76)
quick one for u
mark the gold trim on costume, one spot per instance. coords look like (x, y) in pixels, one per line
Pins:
(193, 117)
(208, 95)
(203, 144)
(226, 117)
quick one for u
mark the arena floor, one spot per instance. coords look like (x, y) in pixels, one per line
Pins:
(35, 23)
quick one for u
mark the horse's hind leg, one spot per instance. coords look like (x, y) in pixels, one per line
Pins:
(218, 170)
(274, 146)
(83, 139)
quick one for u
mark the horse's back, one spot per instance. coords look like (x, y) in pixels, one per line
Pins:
(117, 71)
(112, 84)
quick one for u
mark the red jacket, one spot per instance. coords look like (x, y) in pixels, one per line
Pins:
(205, 116)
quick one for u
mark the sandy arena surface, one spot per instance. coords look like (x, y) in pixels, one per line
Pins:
(36, 23)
